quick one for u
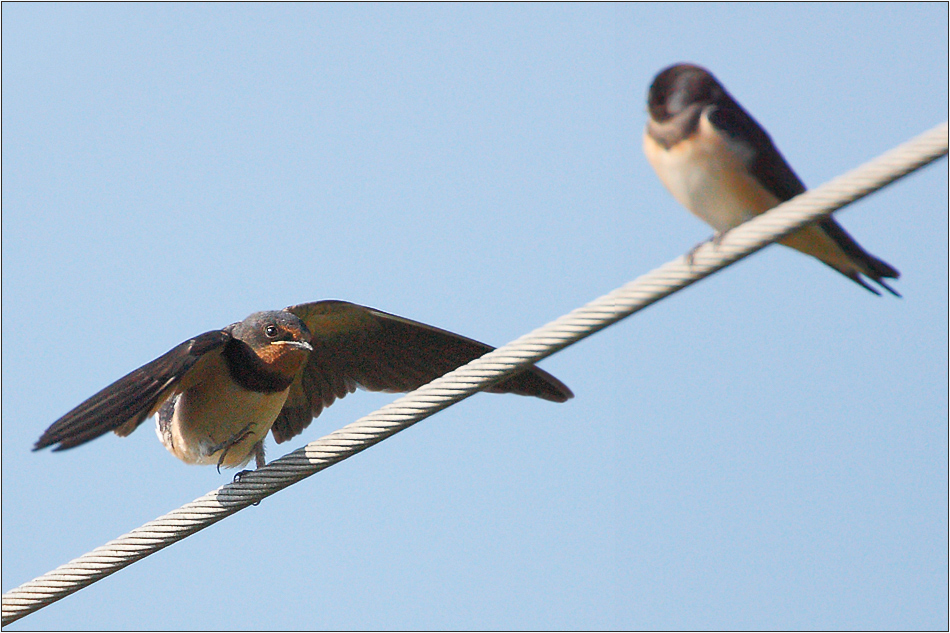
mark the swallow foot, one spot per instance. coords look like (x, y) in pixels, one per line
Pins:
(691, 254)
(229, 443)
(258, 451)
(237, 480)
(715, 240)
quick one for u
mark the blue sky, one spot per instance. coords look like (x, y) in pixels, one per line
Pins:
(767, 449)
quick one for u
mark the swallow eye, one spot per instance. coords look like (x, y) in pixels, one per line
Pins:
(271, 331)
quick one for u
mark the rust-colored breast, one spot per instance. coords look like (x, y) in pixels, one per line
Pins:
(284, 358)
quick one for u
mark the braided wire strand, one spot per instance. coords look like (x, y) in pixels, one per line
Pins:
(475, 376)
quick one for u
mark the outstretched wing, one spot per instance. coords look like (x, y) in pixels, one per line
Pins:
(355, 346)
(126, 403)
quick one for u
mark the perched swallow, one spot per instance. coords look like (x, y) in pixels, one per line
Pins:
(219, 393)
(719, 163)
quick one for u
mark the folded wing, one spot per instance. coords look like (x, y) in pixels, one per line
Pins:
(769, 167)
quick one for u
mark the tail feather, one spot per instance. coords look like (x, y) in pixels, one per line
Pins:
(864, 263)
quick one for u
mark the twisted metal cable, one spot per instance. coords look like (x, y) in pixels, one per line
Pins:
(477, 375)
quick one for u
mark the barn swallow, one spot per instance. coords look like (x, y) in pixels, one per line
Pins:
(719, 163)
(219, 393)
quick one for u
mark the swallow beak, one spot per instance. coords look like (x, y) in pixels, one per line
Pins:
(302, 345)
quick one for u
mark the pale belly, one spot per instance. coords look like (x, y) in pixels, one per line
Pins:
(709, 178)
(214, 413)
(707, 175)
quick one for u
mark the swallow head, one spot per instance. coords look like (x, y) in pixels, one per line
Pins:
(679, 89)
(278, 338)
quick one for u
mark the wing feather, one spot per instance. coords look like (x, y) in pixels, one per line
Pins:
(126, 403)
(771, 169)
(358, 346)
(766, 163)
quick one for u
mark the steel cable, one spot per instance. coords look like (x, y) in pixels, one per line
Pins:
(475, 376)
